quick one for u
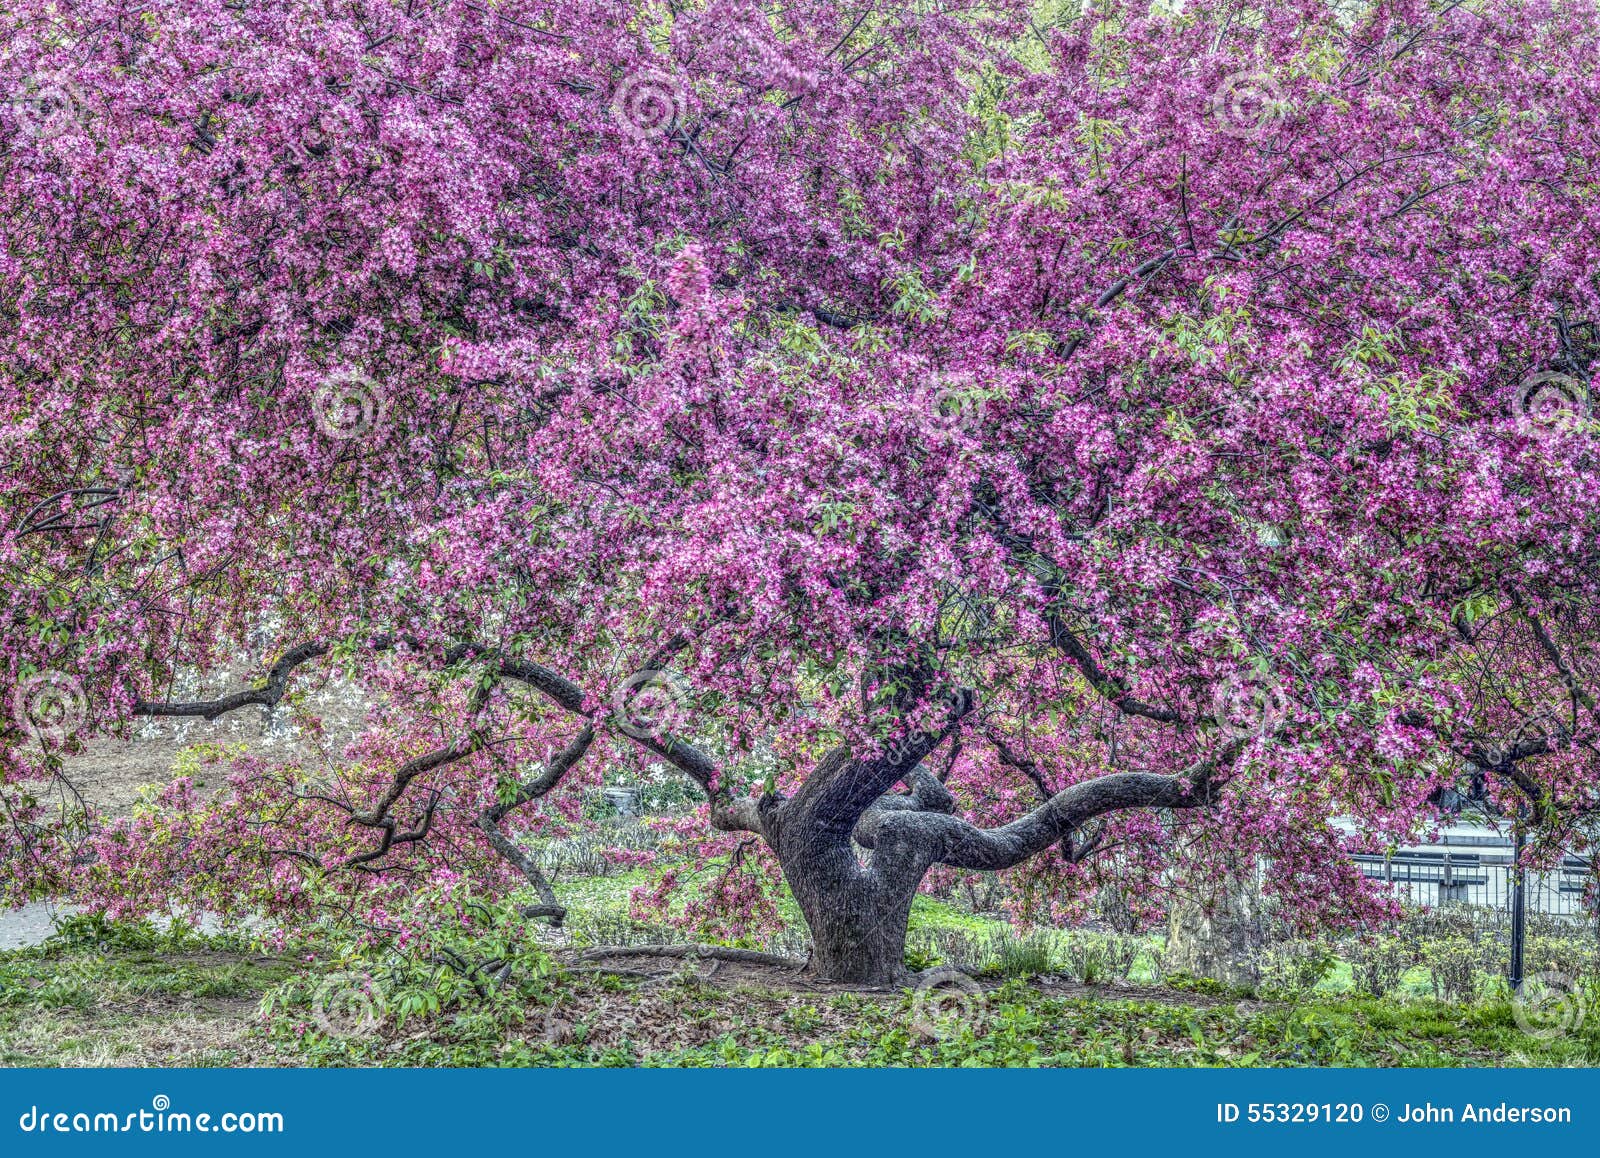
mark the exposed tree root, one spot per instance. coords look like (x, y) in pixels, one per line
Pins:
(694, 952)
(616, 971)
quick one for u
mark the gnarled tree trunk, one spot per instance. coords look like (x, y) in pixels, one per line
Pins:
(858, 913)
(857, 918)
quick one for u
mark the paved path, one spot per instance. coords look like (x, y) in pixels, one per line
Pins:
(31, 924)
(34, 923)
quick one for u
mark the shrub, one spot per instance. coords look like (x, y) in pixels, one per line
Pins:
(961, 948)
(1026, 956)
(1420, 927)
(1293, 968)
(1377, 964)
(1454, 964)
(1092, 958)
(96, 930)
(459, 957)
(1571, 955)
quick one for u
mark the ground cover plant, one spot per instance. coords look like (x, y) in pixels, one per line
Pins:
(104, 993)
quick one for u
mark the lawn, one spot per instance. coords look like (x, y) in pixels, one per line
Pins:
(130, 995)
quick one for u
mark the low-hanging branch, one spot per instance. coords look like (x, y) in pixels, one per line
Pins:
(955, 842)
(843, 793)
(559, 690)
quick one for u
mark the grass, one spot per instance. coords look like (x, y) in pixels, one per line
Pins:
(602, 894)
(599, 913)
(132, 996)
(141, 997)
(1414, 982)
(685, 1021)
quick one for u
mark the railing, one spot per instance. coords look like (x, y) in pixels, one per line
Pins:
(1480, 878)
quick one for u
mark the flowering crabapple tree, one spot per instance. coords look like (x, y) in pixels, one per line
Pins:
(953, 437)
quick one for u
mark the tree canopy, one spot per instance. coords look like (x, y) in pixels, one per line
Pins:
(952, 436)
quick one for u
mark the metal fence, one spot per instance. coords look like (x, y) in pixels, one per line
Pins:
(1441, 876)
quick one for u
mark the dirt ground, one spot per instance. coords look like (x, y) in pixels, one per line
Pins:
(639, 961)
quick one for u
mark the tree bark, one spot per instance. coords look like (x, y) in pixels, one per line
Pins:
(858, 913)
(857, 916)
